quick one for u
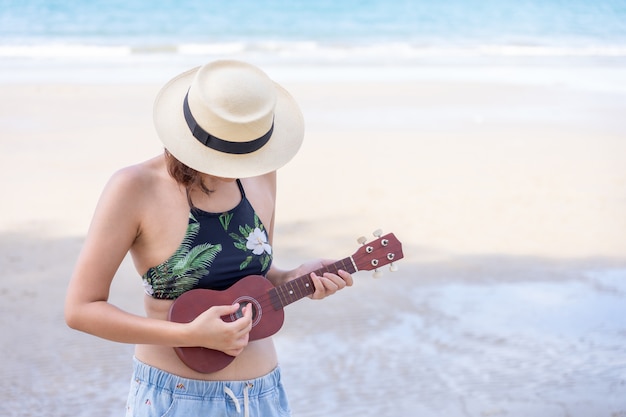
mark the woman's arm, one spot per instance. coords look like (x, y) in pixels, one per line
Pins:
(115, 227)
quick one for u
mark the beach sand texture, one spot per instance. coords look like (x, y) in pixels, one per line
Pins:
(509, 198)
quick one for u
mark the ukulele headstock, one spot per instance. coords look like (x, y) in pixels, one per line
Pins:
(384, 250)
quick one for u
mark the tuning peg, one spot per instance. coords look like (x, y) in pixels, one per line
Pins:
(378, 232)
(377, 273)
(362, 240)
(393, 267)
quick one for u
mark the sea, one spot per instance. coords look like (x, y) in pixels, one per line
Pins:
(323, 33)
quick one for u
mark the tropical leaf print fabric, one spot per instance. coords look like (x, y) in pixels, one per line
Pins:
(244, 249)
(182, 271)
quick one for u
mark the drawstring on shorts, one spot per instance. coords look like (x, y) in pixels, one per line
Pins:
(246, 403)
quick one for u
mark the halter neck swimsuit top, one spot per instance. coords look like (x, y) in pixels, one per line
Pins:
(218, 249)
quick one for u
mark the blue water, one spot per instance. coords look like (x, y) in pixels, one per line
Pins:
(141, 26)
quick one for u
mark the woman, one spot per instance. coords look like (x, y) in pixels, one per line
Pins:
(210, 198)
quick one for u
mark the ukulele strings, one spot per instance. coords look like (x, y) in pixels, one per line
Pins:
(287, 291)
(292, 291)
(281, 294)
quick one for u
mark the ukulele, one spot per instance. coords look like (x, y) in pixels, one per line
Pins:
(267, 301)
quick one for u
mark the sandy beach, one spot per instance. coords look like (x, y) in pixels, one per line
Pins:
(507, 189)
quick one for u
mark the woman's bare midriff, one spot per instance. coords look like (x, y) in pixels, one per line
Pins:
(257, 359)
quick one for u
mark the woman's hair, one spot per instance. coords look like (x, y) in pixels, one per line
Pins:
(184, 175)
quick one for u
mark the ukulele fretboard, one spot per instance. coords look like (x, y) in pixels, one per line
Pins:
(301, 287)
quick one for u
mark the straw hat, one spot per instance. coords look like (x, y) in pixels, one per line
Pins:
(228, 119)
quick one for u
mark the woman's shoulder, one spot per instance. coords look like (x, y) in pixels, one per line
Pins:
(141, 174)
(137, 180)
(263, 181)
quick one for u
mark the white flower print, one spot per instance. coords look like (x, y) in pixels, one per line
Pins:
(257, 242)
(147, 287)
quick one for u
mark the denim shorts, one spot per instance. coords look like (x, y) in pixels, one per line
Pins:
(155, 393)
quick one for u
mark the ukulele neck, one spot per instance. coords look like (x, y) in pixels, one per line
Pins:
(301, 287)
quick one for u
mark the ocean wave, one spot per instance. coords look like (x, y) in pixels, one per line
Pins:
(407, 50)
(311, 50)
(63, 51)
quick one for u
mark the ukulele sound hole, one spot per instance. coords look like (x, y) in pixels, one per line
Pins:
(247, 301)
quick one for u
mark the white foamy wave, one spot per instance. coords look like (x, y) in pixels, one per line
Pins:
(63, 51)
(410, 50)
(545, 51)
(225, 48)
(308, 51)
(295, 50)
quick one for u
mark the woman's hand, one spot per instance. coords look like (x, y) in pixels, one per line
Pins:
(210, 331)
(326, 284)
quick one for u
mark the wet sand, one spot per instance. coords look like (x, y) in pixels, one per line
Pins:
(509, 198)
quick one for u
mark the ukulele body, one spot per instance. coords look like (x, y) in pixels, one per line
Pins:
(251, 290)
